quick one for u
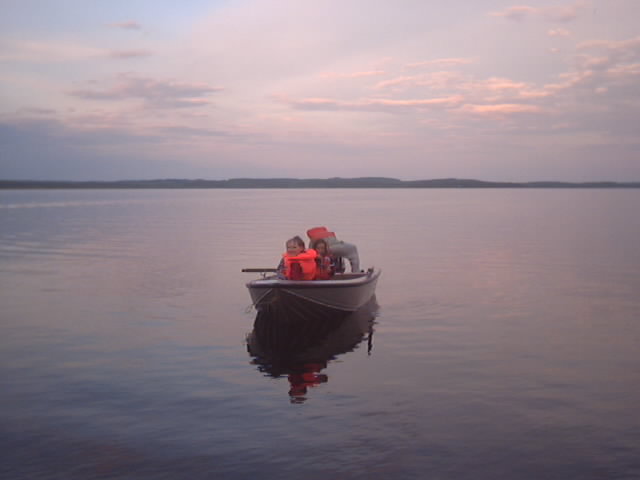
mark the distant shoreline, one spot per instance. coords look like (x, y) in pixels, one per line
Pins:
(279, 183)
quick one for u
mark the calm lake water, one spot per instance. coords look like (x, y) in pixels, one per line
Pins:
(506, 344)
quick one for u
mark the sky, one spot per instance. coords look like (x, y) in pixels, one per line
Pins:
(410, 89)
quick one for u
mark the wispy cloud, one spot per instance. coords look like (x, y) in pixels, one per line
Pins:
(516, 13)
(630, 46)
(190, 132)
(46, 52)
(369, 73)
(35, 111)
(126, 25)
(62, 52)
(434, 80)
(565, 13)
(604, 59)
(132, 53)
(373, 104)
(495, 83)
(154, 92)
(560, 14)
(558, 32)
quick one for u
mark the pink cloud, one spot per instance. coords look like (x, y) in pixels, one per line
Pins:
(435, 80)
(495, 83)
(570, 80)
(505, 108)
(492, 90)
(516, 13)
(440, 62)
(375, 104)
(625, 70)
(370, 73)
(603, 61)
(630, 46)
(446, 101)
(533, 94)
(395, 81)
(594, 63)
(558, 32)
(564, 14)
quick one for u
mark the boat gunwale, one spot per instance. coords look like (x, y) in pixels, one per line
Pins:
(272, 282)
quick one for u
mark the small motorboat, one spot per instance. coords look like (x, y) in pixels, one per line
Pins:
(343, 293)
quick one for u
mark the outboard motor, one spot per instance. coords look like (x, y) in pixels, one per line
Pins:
(348, 251)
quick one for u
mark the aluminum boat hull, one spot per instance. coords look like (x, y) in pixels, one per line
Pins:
(343, 293)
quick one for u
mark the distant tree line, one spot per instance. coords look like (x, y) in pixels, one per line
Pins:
(361, 182)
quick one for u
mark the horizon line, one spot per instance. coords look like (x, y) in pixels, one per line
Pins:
(292, 182)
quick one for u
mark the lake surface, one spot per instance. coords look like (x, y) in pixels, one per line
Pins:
(506, 344)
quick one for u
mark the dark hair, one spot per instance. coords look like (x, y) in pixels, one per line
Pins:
(320, 240)
(297, 240)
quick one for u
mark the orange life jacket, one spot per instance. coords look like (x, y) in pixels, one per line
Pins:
(301, 266)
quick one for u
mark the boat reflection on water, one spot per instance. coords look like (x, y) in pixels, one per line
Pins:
(301, 348)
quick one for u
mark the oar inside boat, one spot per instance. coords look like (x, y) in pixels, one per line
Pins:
(259, 270)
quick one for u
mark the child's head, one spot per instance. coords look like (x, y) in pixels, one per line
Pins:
(295, 246)
(320, 246)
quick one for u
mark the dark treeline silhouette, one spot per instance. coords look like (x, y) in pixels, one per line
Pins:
(361, 182)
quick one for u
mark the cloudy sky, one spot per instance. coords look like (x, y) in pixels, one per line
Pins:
(411, 89)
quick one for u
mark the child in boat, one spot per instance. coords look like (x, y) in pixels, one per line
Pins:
(325, 262)
(338, 248)
(297, 263)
